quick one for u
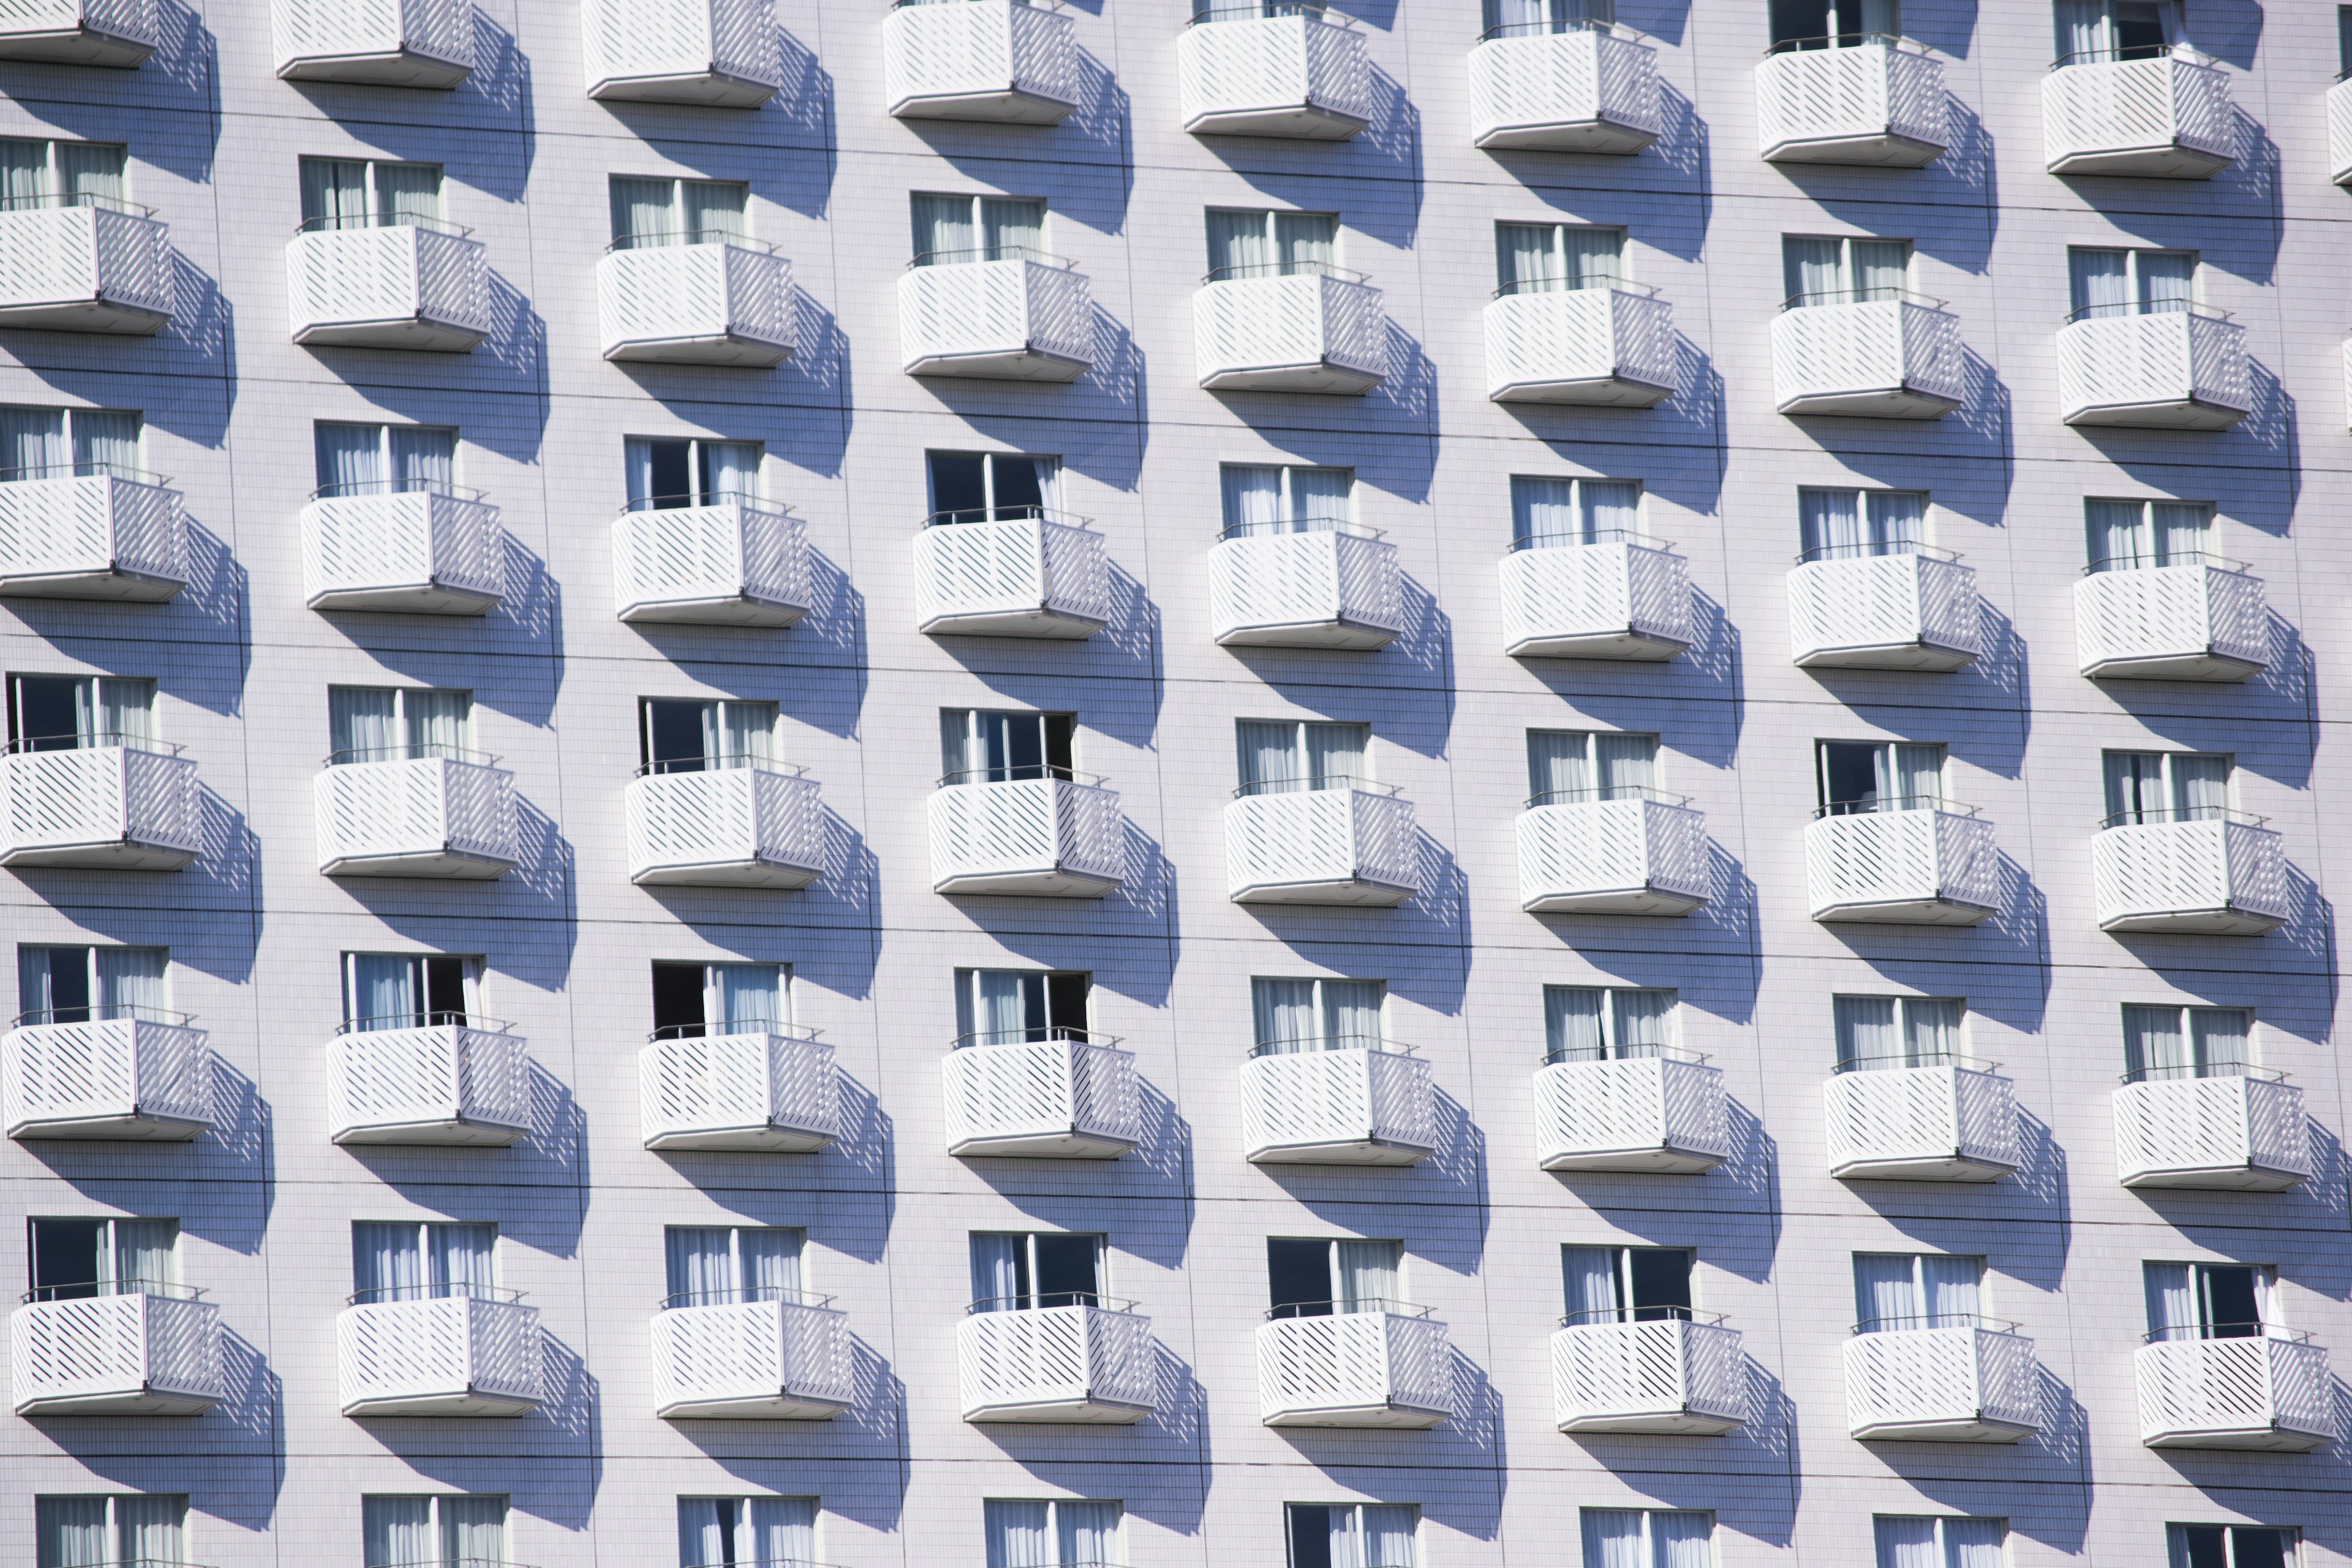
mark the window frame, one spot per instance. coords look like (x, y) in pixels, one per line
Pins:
(446, 1291)
(980, 255)
(720, 708)
(2136, 305)
(2186, 1014)
(2270, 1304)
(434, 1524)
(100, 688)
(1637, 535)
(1597, 793)
(469, 972)
(1052, 725)
(1943, 1546)
(1851, 290)
(1288, 501)
(1049, 478)
(1952, 1056)
(108, 1249)
(1612, 1048)
(454, 486)
(738, 1291)
(1337, 1301)
(1117, 1531)
(2141, 816)
(411, 751)
(1920, 1320)
(437, 220)
(96, 1010)
(1863, 807)
(70, 416)
(2176, 1546)
(1356, 1531)
(2154, 557)
(1278, 268)
(715, 1024)
(968, 1006)
(744, 1500)
(677, 183)
(1555, 254)
(53, 193)
(1621, 1268)
(696, 468)
(115, 1524)
(2171, 17)
(1035, 1298)
(1365, 780)
(1647, 1551)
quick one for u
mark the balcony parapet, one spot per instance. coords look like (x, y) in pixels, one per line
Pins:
(1954, 1119)
(1345, 1101)
(1000, 60)
(2239, 1130)
(1950, 1379)
(1566, 87)
(119, 1073)
(782, 1358)
(1071, 1095)
(1879, 101)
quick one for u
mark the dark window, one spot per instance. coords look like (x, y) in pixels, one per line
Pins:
(1661, 1281)
(2344, 39)
(987, 487)
(1046, 1268)
(981, 747)
(678, 1000)
(41, 712)
(1310, 1535)
(68, 1259)
(2231, 1546)
(2230, 1302)
(1299, 1273)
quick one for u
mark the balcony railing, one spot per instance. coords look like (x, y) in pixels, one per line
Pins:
(725, 827)
(762, 1090)
(118, 807)
(1954, 1121)
(734, 563)
(782, 1359)
(1872, 359)
(1003, 60)
(1345, 1101)
(1917, 610)
(117, 33)
(97, 267)
(86, 532)
(719, 301)
(1349, 845)
(1932, 866)
(438, 1082)
(1088, 1364)
(1308, 332)
(2339, 131)
(720, 53)
(380, 43)
(1661, 1113)
(1590, 89)
(132, 1354)
(2223, 875)
(1050, 838)
(420, 552)
(1971, 1383)
(2203, 621)
(1879, 101)
(2168, 118)
(1019, 319)
(476, 1354)
(1042, 576)
(1610, 347)
(2174, 370)
(428, 816)
(1330, 585)
(1614, 598)
(414, 286)
(136, 1075)
(1240, 72)
(2269, 1390)
(2245, 1131)
(1062, 1099)
(1355, 1368)
(1683, 1376)
(1642, 855)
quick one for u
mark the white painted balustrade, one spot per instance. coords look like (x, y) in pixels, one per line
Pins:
(1056, 838)
(1677, 1376)
(718, 53)
(736, 563)
(1363, 1368)
(2172, 369)
(448, 1083)
(2223, 875)
(422, 552)
(419, 285)
(155, 1353)
(1618, 598)
(117, 33)
(2339, 131)
(99, 535)
(424, 816)
(107, 807)
(1352, 846)
(1661, 1113)
(1086, 1363)
(1332, 585)
(1870, 359)
(1322, 332)
(1062, 1099)
(1927, 866)
(1045, 577)
(1345, 1101)
(1645, 856)
(720, 303)
(1608, 347)
(1586, 87)
(148, 1075)
(2168, 118)
(2269, 1391)
(770, 1090)
(1881, 102)
(1973, 1383)
(2244, 1131)
(478, 1354)
(1303, 73)
(97, 269)
(761, 826)
(1024, 319)
(1954, 1121)
(780, 1360)
(1918, 610)
(1002, 60)
(378, 43)
(2202, 621)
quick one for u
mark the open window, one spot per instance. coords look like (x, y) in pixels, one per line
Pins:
(1626, 1284)
(693, 735)
(1833, 24)
(2091, 31)
(669, 474)
(1319, 1276)
(1016, 1006)
(1028, 1270)
(75, 1258)
(408, 990)
(982, 746)
(1352, 1534)
(2211, 1300)
(81, 984)
(79, 712)
(2231, 1546)
(1860, 776)
(989, 487)
(695, 1000)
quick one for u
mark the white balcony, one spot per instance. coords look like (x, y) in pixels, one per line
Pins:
(120, 34)
(1346, 846)
(1079, 1365)
(1371, 1368)
(116, 1355)
(1592, 89)
(85, 269)
(1617, 599)
(2177, 370)
(2244, 1134)
(723, 302)
(1310, 331)
(1869, 359)
(2339, 131)
(428, 816)
(1336, 1103)
(376, 42)
(753, 1361)
(727, 827)
(102, 808)
(445, 1084)
(1664, 1114)
(2200, 622)
(1027, 320)
(1675, 1377)
(1879, 102)
(2223, 875)
(740, 562)
(773, 1090)
(1332, 585)
(1638, 857)
(1048, 838)
(448, 1355)
(719, 53)
(2270, 1392)
(1002, 60)
(1242, 73)
(1965, 1384)
(419, 552)
(101, 535)
(1024, 578)
(1933, 865)
(1042, 1099)
(1607, 347)
(382, 286)
(2168, 118)
(123, 1078)
(1956, 1122)
(1918, 611)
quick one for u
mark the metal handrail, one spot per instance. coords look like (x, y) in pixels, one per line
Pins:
(409, 751)
(1562, 24)
(458, 1562)
(1862, 297)
(1274, 528)
(991, 253)
(1829, 41)
(741, 1296)
(101, 1012)
(446, 1291)
(354, 487)
(1934, 1320)
(1634, 1315)
(725, 763)
(1894, 803)
(1603, 793)
(1360, 1306)
(2106, 564)
(1316, 783)
(693, 501)
(1031, 773)
(369, 220)
(2214, 1332)
(1575, 1055)
(2181, 52)
(95, 741)
(2153, 815)
(1600, 536)
(1915, 1060)
(2189, 1071)
(447, 1017)
(1869, 551)
(959, 517)
(1605, 285)
(722, 1027)
(981, 1039)
(1316, 1044)
(658, 238)
(2146, 308)
(1301, 268)
(1036, 1302)
(74, 199)
(95, 1289)
(75, 470)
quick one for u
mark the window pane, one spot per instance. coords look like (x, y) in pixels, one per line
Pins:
(713, 210)
(349, 457)
(2221, 1039)
(1950, 1284)
(1012, 230)
(473, 1530)
(646, 211)
(1975, 1543)
(405, 193)
(1643, 1022)
(2116, 532)
(1612, 1538)
(1813, 269)
(1240, 243)
(2101, 282)
(2153, 1045)
(1885, 1291)
(943, 229)
(398, 1529)
(1559, 766)
(1572, 1022)
(1830, 523)
(1523, 258)
(1020, 1533)
(1906, 1542)
(91, 170)
(1085, 1532)
(1866, 1032)
(1544, 512)
(1335, 754)
(2253, 1549)
(1367, 1274)
(72, 1533)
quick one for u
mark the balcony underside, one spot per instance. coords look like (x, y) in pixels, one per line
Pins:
(111, 583)
(82, 46)
(2188, 664)
(406, 599)
(1004, 106)
(414, 332)
(384, 68)
(1668, 1423)
(1919, 654)
(1657, 1159)
(1979, 1428)
(455, 1131)
(2163, 161)
(458, 865)
(1359, 637)
(782, 1406)
(1358, 891)
(1928, 911)
(1314, 376)
(84, 315)
(1305, 120)
(2170, 413)
(1872, 403)
(105, 855)
(1041, 882)
(1878, 149)
(761, 1138)
(2268, 1439)
(2249, 1177)
(735, 610)
(1073, 1409)
(1013, 622)
(1598, 134)
(1614, 391)
(747, 873)
(1366, 1150)
(2224, 920)
(711, 89)
(1023, 363)
(1391, 1416)
(715, 348)
(127, 1125)
(1064, 1144)
(1952, 1167)
(1632, 643)
(143, 1401)
(455, 1401)
(1643, 901)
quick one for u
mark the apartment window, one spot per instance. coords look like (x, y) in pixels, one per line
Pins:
(78, 712)
(57, 443)
(61, 174)
(1022, 1272)
(1626, 1284)
(1819, 269)
(1844, 525)
(718, 1266)
(1554, 257)
(745, 1531)
(407, 990)
(1262, 499)
(2211, 1300)
(2092, 30)
(1050, 1533)
(2127, 536)
(1908, 1541)
(2130, 282)
(140, 1531)
(1897, 1290)
(978, 746)
(1878, 1034)
(2231, 1545)
(351, 193)
(1833, 24)
(1549, 512)
(1352, 1534)
(952, 230)
(1294, 1015)
(1647, 1538)
(1859, 776)
(989, 487)
(692, 1001)
(2165, 786)
(1013, 1007)
(77, 984)
(1566, 766)
(1588, 1023)
(378, 459)
(74, 1259)
(1282, 757)
(1319, 1276)
(1519, 18)
(649, 214)
(664, 475)
(398, 724)
(1266, 244)
(433, 1532)
(691, 735)
(2343, 54)
(2186, 1042)
(405, 1260)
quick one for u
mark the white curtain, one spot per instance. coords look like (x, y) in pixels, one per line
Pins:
(145, 1260)
(334, 193)
(770, 1262)
(1524, 259)
(23, 172)
(1972, 1543)
(1387, 1537)
(1366, 1273)
(2166, 280)
(1622, 764)
(1319, 495)
(72, 1532)
(1306, 242)
(1253, 497)
(2171, 1300)
(91, 170)
(751, 996)
(385, 991)
(33, 443)
(713, 211)
(995, 1008)
(1830, 523)
(1886, 1291)
(398, 1531)
(702, 1265)
(473, 1532)
(1559, 766)
(1284, 1011)
(1572, 1022)
(1012, 230)
(1335, 754)
(129, 981)
(2154, 1043)
(2082, 28)
(1613, 508)
(2100, 280)
(645, 212)
(1867, 1035)
(1643, 1022)
(1907, 1543)
(1085, 1532)
(1545, 514)
(461, 1258)
(1241, 244)
(349, 457)
(1591, 1278)
(105, 441)
(1020, 1532)
(436, 722)
(783, 1530)
(1678, 1539)
(1931, 1029)
(1949, 1286)
(2221, 1038)
(422, 458)
(407, 193)
(2135, 785)
(999, 1270)
(125, 710)
(706, 1531)
(1912, 779)
(364, 724)
(944, 230)
(42, 972)
(1612, 1538)
(1351, 1011)
(1880, 267)
(387, 1262)
(1813, 269)
(2180, 530)
(2201, 786)
(1273, 759)
(2117, 539)
(728, 468)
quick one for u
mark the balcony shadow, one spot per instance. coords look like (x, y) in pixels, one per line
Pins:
(203, 320)
(549, 1462)
(819, 374)
(1692, 416)
(254, 1405)
(1681, 150)
(229, 869)
(517, 347)
(803, 106)
(776, 1456)
(216, 600)
(1409, 389)
(1986, 419)
(2205, 964)
(1166, 1152)
(502, 86)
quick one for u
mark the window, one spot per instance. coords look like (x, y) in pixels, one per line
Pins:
(404, 1260)
(347, 192)
(1010, 1006)
(2091, 30)
(1880, 775)
(1265, 244)
(745, 1531)
(2165, 786)
(2124, 535)
(1833, 24)
(977, 746)
(2130, 282)
(664, 475)
(1626, 1284)
(686, 735)
(76, 984)
(1908, 1542)
(74, 1259)
(695, 1000)
(1021, 1271)
(2230, 1546)
(117, 1531)
(1262, 499)
(648, 213)
(1553, 257)
(1053, 1533)
(407, 990)
(1821, 270)
(433, 1532)
(376, 460)
(79, 712)
(1896, 1291)
(1565, 766)
(1876, 1033)
(1352, 1534)
(2343, 50)
(1517, 18)
(989, 487)
(57, 443)
(2186, 1042)
(1294, 1015)
(2211, 1300)
(951, 230)
(719, 1265)
(398, 724)
(1586, 1024)
(1282, 757)
(1647, 1538)
(1547, 512)
(61, 175)
(1320, 1277)
(1842, 525)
